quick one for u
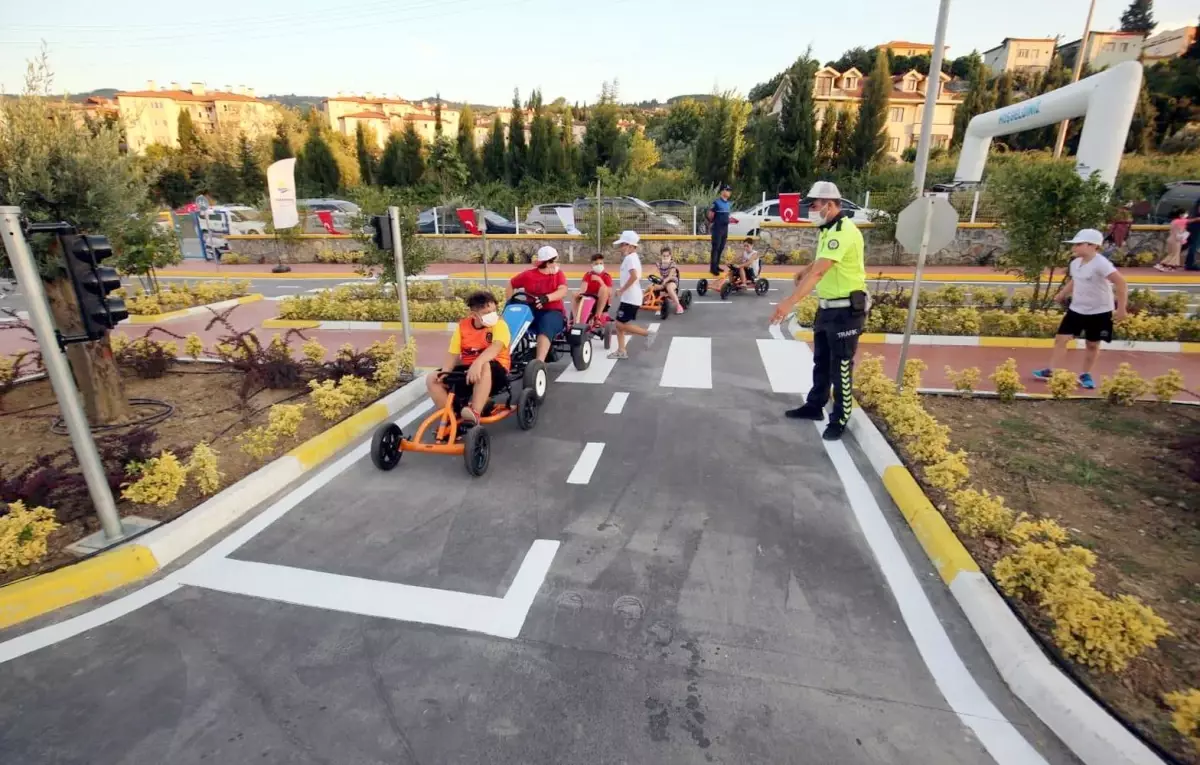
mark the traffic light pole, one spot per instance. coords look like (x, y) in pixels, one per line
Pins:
(401, 281)
(59, 372)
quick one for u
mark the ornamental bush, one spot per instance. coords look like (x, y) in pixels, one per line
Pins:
(1099, 631)
(1062, 384)
(1167, 385)
(1186, 718)
(981, 514)
(1041, 530)
(949, 473)
(23, 535)
(193, 346)
(283, 421)
(1034, 567)
(1124, 387)
(1007, 380)
(159, 480)
(202, 469)
(964, 380)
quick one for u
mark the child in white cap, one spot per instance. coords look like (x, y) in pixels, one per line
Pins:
(629, 293)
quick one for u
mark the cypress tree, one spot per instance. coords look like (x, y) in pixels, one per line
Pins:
(465, 143)
(518, 152)
(869, 142)
(367, 168)
(493, 152)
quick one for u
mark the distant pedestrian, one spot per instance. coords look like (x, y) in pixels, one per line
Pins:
(1193, 243)
(629, 294)
(718, 227)
(1177, 237)
(1092, 309)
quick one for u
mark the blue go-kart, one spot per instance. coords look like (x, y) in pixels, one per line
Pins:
(575, 339)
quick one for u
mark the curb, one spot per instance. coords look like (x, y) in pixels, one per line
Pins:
(154, 550)
(258, 275)
(155, 318)
(975, 341)
(374, 326)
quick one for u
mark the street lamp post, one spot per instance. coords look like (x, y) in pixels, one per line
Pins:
(1083, 41)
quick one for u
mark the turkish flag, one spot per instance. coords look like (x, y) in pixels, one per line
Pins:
(467, 216)
(326, 218)
(789, 207)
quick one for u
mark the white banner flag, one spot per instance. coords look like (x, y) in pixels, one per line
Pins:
(567, 216)
(281, 186)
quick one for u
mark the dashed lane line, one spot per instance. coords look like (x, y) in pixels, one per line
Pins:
(586, 464)
(617, 403)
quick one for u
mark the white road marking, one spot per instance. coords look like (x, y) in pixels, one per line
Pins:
(598, 371)
(589, 458)
(285, 287)
(788, 365)
(689, 363)
(711, 302)
(617, 403)
(1002, 741)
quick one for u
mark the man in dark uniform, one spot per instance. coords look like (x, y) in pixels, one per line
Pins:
(718, 228)
(840, 277)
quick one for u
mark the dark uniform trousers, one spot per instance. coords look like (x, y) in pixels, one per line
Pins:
(835, 339)
(719, 235)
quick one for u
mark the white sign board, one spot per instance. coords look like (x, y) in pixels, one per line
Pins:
(910, 226)
(202, 203)
(281, 186)
(567, 216)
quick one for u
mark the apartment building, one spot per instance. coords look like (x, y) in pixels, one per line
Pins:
(152, 115)
(835, 91)
(1020, 54)
(904, 48)
(1105, 49)
(386, 115)
(1168, 44)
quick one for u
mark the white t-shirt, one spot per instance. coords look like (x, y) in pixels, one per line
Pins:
(1093, 292)
(629, 265)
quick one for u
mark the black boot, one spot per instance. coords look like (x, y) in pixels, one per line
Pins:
(806, 412)
(833, 432)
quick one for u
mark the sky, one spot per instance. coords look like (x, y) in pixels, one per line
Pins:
(479, 50)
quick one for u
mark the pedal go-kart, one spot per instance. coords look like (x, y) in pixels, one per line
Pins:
(519, 315)
(656, 298)
(449, 434)
(590, 323)
(726, 284)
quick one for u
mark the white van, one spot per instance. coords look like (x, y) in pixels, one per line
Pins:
(233, 219)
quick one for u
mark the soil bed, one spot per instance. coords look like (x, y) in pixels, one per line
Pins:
(1122, 480)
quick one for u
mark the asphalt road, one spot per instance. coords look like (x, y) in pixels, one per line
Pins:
(663, 571)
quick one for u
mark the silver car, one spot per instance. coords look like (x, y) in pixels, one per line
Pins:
(543, 219)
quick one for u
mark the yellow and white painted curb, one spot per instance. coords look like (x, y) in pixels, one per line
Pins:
(152, 551)
(975, 341)
(343, 326)
(157, 318)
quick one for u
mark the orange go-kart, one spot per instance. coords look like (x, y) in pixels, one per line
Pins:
(726, 284)
(443, 432)
(656, 298)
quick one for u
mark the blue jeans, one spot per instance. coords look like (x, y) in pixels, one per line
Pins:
(550, 323)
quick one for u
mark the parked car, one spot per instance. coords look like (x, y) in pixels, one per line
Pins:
(684, 211)
(543, 219)
(630, 213)
(332, 205)
(448, 222)
(953, 186)
(1180, 194)
(233, 219)
(748, 222)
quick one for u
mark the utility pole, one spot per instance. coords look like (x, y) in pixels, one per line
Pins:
(1079, 55)
(401, 281)
(934, 83)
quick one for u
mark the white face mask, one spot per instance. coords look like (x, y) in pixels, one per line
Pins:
(814, 216)
(598, 268)
(489, 319)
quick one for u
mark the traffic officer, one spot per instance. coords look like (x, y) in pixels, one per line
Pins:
(839, 274)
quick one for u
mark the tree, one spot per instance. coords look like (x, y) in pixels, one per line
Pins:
(189, 139)
(643, 154)
(868, 142)
(412, 159)
(445, 165)
(1138, 17)
(465, 144)
(1141, 130)
(390, 171)
(826, 159)
(141, 248)
(56, 169)
(841, 137)
(965, 67)
(493, 152)
(317, 169)
(281, 147)
(797, 128)
(975, 102)
(764, 89)
(368, 169)
(856, 58)
(541, 131)
(1041, 205)
(222, 181)
(568, 153)
(518, 152)
(250, 174)
(720, 143)
(603, 144)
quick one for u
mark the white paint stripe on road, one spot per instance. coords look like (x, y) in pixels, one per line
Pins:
(788, 365)
(286, 287)
(689, 363)
(1002, 741)
(598, 371)
(586, 464)
(526, 584)
(617, 403)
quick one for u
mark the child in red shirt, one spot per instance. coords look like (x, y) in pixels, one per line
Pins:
(598, 284)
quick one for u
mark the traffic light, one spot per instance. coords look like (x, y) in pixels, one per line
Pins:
(93, 282)
(381, 232)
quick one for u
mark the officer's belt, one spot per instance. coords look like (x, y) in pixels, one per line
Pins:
(835, 303)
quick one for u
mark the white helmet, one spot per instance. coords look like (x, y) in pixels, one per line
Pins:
(824, 190)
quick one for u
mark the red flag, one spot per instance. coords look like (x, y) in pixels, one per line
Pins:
(789, 207)
(467, 216)
(326, 218)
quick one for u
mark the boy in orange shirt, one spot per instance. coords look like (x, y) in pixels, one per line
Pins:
(479, 347)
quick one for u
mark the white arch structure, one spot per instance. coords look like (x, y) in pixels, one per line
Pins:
(1106, 101)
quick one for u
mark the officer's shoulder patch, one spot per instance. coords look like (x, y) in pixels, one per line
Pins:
(832, 244)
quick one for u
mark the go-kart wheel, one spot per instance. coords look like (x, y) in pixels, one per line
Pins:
(761, 286)
(726, 290)
(664, 310)
(581, 354)
(686, 299)
(536, 379)
(702, 287)
(477, 450)
(607, 334)
(385, 446)
(527, 409)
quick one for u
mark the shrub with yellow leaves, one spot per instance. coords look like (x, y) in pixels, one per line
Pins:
(1042, 530)
(980, 513)
(313, 351)
(283, 421)
(1035, 566)
(913, 370)
(23, 535)
(964, 380)
(1007, 380)
(1124, 387)
(118, 341)
(1186, 719)
(1100, 631)
(329, 400)
(407, 358)
(806, 312)
(159, 480)
(950, 472)
(202, 469)
(1062, 384)
(871, 384)
(1168, 385)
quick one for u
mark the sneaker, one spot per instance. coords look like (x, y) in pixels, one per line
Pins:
(1042, 374)
(618, 355)
(470, 416)
(806, 412)
(650, 338)
(1160, 267)
(678, 309)
(1087, 382)
(833, 432)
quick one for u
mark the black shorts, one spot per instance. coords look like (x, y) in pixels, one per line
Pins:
(499, 379)
(1094, 327)
(627, 313)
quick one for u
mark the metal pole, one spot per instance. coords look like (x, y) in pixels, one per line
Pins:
(693, 220)
(974, 206)
(517, 218)
(867, 199)
(487, 253)
(401, 280)
(599, 248)
(916, 289)
(933, 87)
(59, 372)
(1083, 43)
